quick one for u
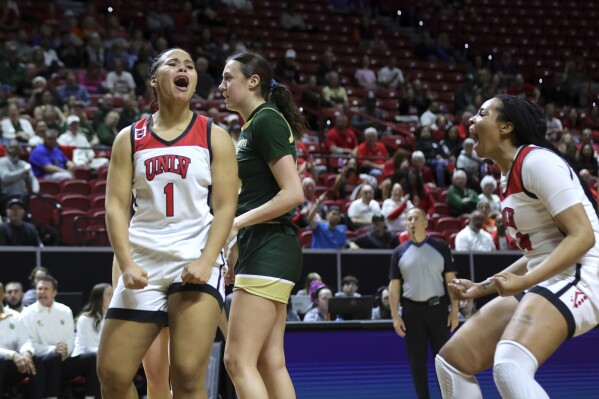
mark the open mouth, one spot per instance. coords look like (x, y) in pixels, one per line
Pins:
(182, 81)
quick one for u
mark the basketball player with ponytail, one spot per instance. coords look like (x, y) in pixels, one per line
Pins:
(268, 251)
(552, 292)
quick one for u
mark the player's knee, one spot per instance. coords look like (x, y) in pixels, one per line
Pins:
(271, 362)
(187, 381)
(513, 362)
(459, 360)
(232, 363)
(112, 378)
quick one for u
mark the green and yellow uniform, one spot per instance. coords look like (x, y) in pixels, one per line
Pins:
(270, 256)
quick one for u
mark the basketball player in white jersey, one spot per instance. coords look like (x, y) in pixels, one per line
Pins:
(179, 172)
(552, 292)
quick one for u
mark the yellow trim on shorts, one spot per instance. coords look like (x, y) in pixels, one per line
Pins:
(273, 288)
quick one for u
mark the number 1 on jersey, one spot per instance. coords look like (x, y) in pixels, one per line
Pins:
(169, 191)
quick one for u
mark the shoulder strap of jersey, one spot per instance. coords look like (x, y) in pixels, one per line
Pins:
(278, 112)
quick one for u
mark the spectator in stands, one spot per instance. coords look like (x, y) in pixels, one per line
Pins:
(340, 139)
(429, 117)
(40, 132)
(390, 76)
(14, 296)
(129, 113)
(37, 57)
(432, 153)
(419, 193)
(501, 238)
(50, 56)
(105, 105)
(72, 88)
(488, 185)
(327, 65)
(444, 51)
(30, 295)
(78, 109)
(395, 209)
(522, 89)
(301, 213)
(470, 163)
(24, 87)
(287, 69)
(108, 130)
(506, 67)
(349, 287)
(426, 48)
(372, 147)
(40, 84)
(51, 328)
(587, 159)
(451, 146)
(11, 66)
(419, 165)
(16, 177)
(206, 84)
(473, 237)
(467, 310)
(320, 309)
(329, 234)
(383, 306)
(488, 218)
(464, 96)
(463, 126)
(364, 208)
(347, 180)
(116, 50)
(93, 78)
(554, 125)
(378, 238)
(461, 199)
(15, 231)
(48, 161)
(16, 350)
(291, 20)
(365, 76)
(313, 276)
(333, 94)
(83, 154)
(590, 180)
(89, 327)
(119, 81)
(48, 103)
(15, 126)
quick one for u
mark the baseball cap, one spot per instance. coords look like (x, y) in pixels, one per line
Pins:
(290, 53)
(376, 217)
(334, 208)
(72, 119)
(15, 201)
(39, 79)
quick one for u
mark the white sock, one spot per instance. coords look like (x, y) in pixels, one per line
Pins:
(455, 384)
(514, 372)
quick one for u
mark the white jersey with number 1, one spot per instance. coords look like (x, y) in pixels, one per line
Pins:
(171, 189)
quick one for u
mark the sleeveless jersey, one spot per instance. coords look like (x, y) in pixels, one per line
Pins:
(171, 189)
(538, 186)
(264, 137)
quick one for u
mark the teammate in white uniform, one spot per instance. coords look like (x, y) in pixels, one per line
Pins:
(180, 170)
(553, 218)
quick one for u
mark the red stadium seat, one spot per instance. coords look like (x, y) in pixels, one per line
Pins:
(77, 186)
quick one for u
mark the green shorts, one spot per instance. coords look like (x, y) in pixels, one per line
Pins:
(270, 260)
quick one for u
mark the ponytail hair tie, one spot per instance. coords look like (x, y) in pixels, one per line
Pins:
(273, 85)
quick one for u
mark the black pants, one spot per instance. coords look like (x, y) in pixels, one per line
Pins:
(53, 371)
(424, 324)
(9, 375)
